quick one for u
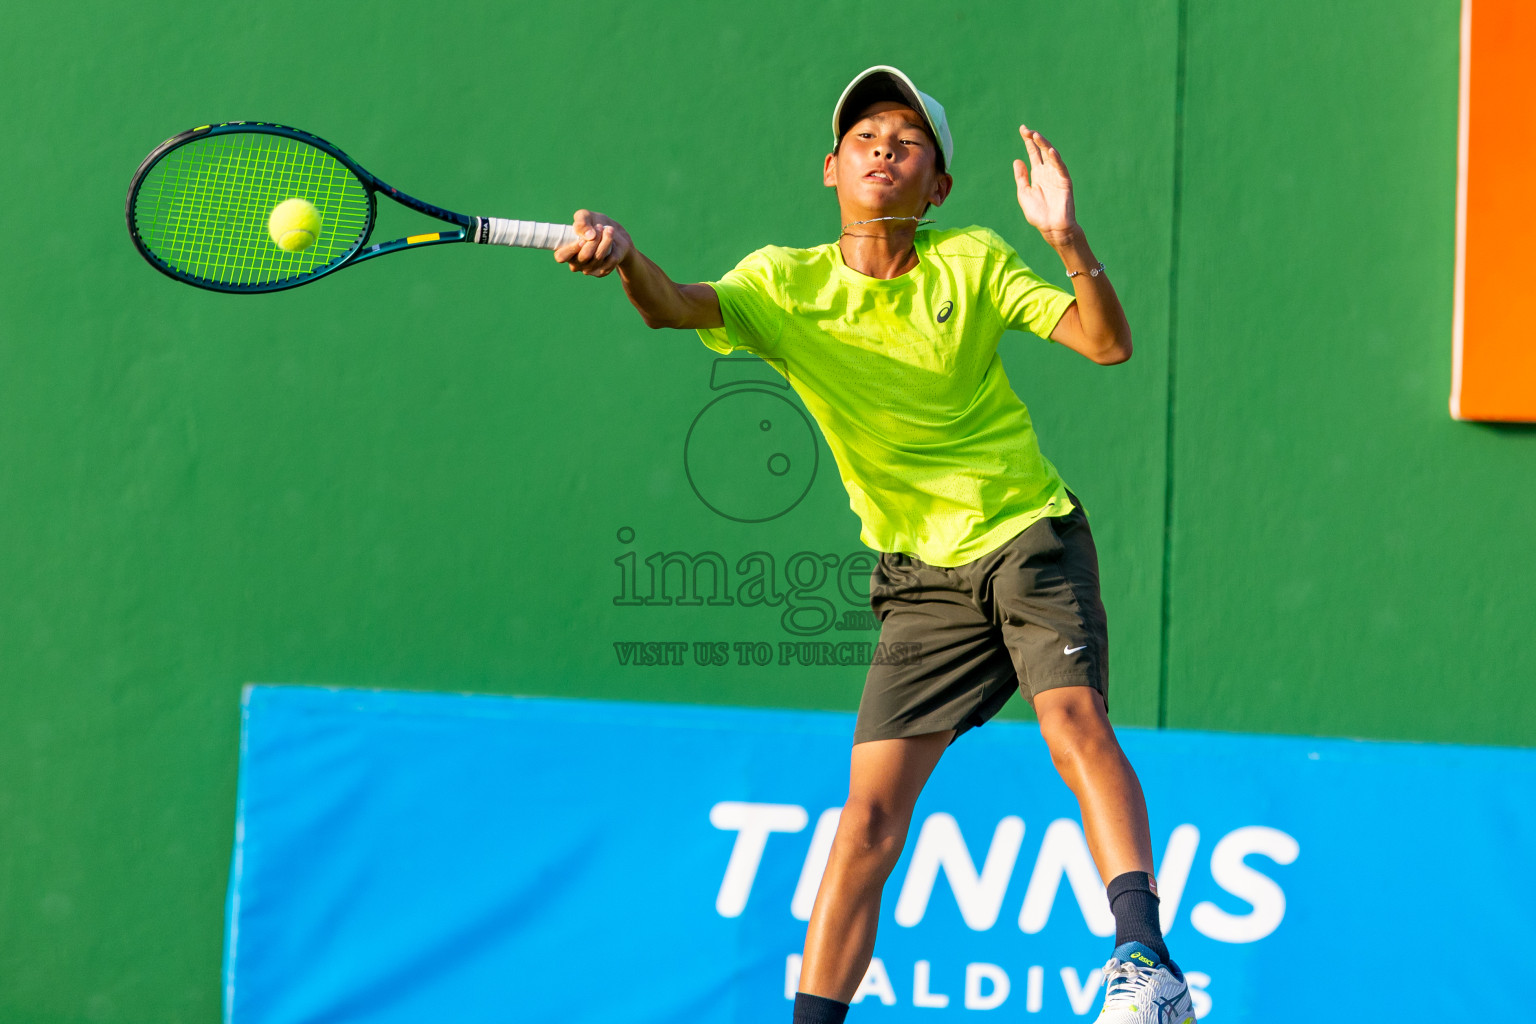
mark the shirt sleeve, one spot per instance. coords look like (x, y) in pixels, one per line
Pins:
(753, 319)
(1025, 300)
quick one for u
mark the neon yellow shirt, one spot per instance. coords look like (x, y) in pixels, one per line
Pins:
(938, 454)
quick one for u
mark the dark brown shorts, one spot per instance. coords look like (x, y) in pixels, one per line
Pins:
(1026, 616)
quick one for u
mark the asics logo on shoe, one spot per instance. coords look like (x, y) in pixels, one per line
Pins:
(1137, 956)
(1175, 1010)
(1074, 650)
(1137, 993)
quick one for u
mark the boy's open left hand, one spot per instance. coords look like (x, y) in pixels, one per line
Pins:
(1045, 189)
(601, 244)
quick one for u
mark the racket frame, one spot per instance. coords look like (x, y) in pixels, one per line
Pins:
(360, 249)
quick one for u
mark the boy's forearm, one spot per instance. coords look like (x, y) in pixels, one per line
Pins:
(1103, 319)
(601, 245)
(659, 300)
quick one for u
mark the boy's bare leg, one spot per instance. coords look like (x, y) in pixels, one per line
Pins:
(1114, 812)
(1086, 753)
(885, 779)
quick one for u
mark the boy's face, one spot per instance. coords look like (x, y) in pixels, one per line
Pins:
(886, 165)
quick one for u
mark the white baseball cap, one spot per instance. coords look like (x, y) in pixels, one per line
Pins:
(883, 82)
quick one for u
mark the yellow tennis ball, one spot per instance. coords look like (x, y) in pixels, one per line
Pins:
(294, 225)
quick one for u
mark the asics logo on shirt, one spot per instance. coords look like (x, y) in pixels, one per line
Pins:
(945, 310)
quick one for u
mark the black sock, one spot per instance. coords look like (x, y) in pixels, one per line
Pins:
(1134, 905)
(811, 1009)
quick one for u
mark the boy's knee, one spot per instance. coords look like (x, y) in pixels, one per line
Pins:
(867, 829)
(1073, 723)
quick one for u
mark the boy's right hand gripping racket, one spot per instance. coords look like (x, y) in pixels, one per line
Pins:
(200, 207)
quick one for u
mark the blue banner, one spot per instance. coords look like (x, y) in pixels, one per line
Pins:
(405, 857)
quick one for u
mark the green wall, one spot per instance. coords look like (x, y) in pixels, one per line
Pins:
(431, 471)
(1345, 559)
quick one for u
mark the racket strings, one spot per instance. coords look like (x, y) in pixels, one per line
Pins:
(203, 208)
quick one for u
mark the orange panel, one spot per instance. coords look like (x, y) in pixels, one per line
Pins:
(1494, 368)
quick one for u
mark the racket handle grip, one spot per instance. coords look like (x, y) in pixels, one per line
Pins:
(527, 234)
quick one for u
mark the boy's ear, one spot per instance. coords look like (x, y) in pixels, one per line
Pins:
(941, 186)
(829, 171)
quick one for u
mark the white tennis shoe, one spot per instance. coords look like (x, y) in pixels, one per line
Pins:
(1140, 989)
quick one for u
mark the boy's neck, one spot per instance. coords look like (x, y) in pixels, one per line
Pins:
(884, 249)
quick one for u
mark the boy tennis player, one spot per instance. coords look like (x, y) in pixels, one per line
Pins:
(890, 335)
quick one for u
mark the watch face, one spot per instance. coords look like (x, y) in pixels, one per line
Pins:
(751, 455)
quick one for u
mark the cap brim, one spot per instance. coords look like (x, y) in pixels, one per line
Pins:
(872, 85)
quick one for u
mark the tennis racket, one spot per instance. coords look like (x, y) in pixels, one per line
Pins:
(199, 204)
